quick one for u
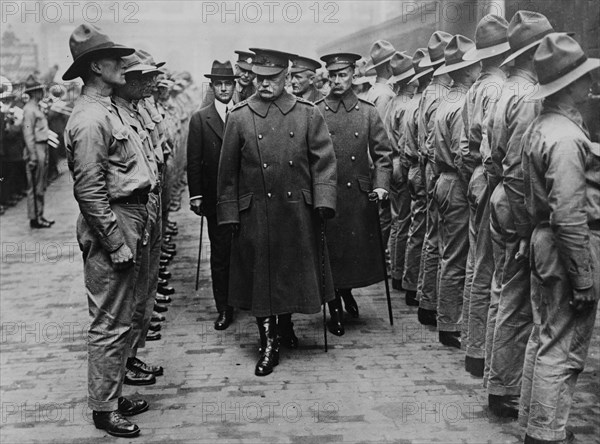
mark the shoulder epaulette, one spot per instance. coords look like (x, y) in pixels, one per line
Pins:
(303, 100)
(239, 105)
(360, 99)
(320, 100)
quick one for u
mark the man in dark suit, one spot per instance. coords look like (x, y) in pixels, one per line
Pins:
(203, 151)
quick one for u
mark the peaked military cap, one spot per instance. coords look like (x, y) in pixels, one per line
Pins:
(340, 60)
(245, 59)
(269, 62)
(300, 64)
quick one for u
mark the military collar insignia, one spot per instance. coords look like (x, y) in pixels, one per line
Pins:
(285, 102)
(349, 99)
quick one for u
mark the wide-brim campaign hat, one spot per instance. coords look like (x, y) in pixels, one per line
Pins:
(245, 59)
(454, 53)
(420, 71)
(525, 31)
(88, 41)
(560, 61)
(301, 64)
(491, 38)
(381, 52)
(135, 63)
(435, 49)
(270, 62)
(221, 70)
(402, 68)
(340, 60)
(32, 84)
(149, 60)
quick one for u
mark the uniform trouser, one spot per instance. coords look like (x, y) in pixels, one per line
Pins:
(220, 251)
(36, 182)
(514, 319)
(560, 339)
(453, 207)
(400, 205)
(427, 291)
(483, 268)
(385, 219)
(147, 280)
(416, 232)
(165, 195)
(111, 303)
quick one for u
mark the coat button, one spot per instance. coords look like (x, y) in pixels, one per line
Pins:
(260, 136)
(327, 108)
(355, 134)
(353, 158)
(269, 195)
(291, 163)
(265, 165)
(349, 184)
(356, 107)
(291, 134)
(289, 194)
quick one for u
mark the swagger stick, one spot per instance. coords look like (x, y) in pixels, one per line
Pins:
(199, 251)
(323, 281)
(373, 198)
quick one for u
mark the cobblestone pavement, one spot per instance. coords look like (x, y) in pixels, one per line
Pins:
(377, 383)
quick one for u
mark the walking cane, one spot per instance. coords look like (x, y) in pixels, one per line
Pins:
(199, 251)
(373, 198)
(323, 281)
(34, 191)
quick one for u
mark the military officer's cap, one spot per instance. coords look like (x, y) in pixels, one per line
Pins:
(340, 60)
(245, 59)
(300, 64)
(269, 62)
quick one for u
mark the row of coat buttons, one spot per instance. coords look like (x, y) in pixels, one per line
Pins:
(270, 195)
(327, 107)
(260, 136)
(331, 134)
(291, 163)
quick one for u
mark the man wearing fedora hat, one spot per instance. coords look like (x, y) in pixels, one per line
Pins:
(403, 71)
(491, 46)
(111, 182)
(244, 82)
(303, 72)
(203, 151)
(415, 179)
(439, 85)
(35, 134)
(561, 171)
(360, 140)
(276, 179)
(510, 317)
(451, 188)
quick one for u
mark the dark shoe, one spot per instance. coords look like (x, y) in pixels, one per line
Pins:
(169, 250)
(427, 317)
(127, 407)
(475, 366)
(225, 318)
(504, 406)
(397, 284)
(410, 298)
(166, 256)
(164, 274)
(160, 308)
(171, 224)
(285, 327)
(138, 378)
(39, 224)
(349, 303)
(48, 221)
(336, 320)
(163, 262)
(115, 424)
(569, 439)
(161, 299)
(269, 356)
(153, 336)
(135, 364)
(162, 282)
(165, 291)
(450, 338)
(155, 326)
(171, 232)
(157, 317)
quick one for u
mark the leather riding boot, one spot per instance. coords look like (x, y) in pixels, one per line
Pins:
(349, 302)
(336, 320)
(269, 356)
(285, 327)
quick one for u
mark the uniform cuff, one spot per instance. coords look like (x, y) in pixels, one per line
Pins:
(325, 195)
(228, 212)
(113, 242)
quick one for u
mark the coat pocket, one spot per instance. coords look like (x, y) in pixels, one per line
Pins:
(364, 183)
(244, 202)
(120, 135)
(308, 197)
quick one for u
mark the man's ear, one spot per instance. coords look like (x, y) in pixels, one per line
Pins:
(95, 67)
(311, 79)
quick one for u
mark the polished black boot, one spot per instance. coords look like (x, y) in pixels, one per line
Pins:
(475, 366)
(427, 317)
(349, 302)
(450, 338)
(410, 298)
(336, 320)
(224, 319)
(285, 327)
(269, 342)
(114, 423)
(504, 406)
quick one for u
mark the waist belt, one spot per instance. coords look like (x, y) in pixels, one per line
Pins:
(134, 199)
(593, 225)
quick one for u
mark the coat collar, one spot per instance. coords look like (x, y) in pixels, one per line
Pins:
(213, 120)
(568, 111)
(349, 99)
(285, 102)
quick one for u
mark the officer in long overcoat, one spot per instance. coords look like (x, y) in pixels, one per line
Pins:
(277, 167)
(359, 140)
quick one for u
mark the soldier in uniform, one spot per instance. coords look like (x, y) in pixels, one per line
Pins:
(562, 193)
(451, 189)
(403, 71)
(359, 140)
(427, 291)
(303, 73)
(276, 179)
(111, 182)
(203, 151)
(35, 135)
(491, 40)
(510, 318)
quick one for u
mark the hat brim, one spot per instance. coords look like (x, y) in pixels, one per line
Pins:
(7, 95)
(421, 74)
(221, 76)
(33, 88)
(445, 69)
(548, 89)
(426, 62)
(267, 70)
(244, 65)
(395, 79)
(360, 81)
(387, 59)
(142, 67)
(74, 70)
(338, 66)
(518, 52)
(486, 53)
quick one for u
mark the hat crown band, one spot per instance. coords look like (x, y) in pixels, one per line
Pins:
(522, 39)
(547, 75)
(488, 42)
